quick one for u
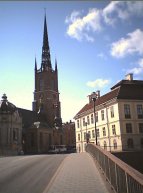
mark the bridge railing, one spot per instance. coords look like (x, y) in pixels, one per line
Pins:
(122, 177)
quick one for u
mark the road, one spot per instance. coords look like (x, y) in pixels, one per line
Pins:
(28, 174)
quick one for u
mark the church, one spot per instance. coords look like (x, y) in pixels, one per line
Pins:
(47, 129)
(42, 127)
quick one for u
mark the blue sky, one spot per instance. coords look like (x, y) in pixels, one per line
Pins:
(96, 44)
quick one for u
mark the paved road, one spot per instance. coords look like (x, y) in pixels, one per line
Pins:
(28, 174)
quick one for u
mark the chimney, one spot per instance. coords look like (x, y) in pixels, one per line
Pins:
(98, 93)
(129, 76)
(94, 94)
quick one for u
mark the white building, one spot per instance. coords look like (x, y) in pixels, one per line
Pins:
(119, 118)
(10, 128)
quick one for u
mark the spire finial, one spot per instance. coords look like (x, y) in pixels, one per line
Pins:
(45, 10)
(56, 64)
(35, 64)
(46, 60)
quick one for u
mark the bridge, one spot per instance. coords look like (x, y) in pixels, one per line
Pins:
(94, 171)
(97, 171)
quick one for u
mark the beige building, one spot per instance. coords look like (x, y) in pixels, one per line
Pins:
(119, 118)
(10, 128)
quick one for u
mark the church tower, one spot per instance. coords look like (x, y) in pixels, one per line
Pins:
(46, 94)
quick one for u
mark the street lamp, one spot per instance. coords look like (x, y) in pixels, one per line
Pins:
(94, 97)
(87, 134)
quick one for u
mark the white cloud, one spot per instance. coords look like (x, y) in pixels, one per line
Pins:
(108, 11)
(131, 44)
(73, 17)
(100, 83)
(80, 27)
(137, 70)
(121, 10)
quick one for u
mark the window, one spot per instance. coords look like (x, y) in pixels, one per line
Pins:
(92, 120)
(104, 131)
(89, 134)
(78, 137)
(115, 144)
(97, 133)
(128, 128)
(102, 115)
(93, 134)
(41, 84)
(112, 111)
(140, 111)
(88, 120)
(141, 127)
(96, 116)
(83, 121)
(127, 111)
(15, 134)
(130, 143)
(84, 135)
(113, 130)
(105, 145)
(41, 139)
(141, 142)
(77, 123)
(32, 139)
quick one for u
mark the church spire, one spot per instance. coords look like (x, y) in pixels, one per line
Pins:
(56, 65)
(35, 65)
(46, 60)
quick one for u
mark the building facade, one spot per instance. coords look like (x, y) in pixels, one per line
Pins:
(119, 118)
(69, 135)
(10, 128)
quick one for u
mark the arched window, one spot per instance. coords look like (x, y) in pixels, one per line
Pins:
(105, 145)
(115, 144)
(141, 142)
(130, 143)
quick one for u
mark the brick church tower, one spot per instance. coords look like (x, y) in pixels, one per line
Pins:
(46, 94)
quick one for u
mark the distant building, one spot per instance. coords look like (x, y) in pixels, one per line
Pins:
(10, 128)
(69, 134)
(119, 118)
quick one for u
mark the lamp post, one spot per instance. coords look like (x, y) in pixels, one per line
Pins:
(94, 97)
(87, 135)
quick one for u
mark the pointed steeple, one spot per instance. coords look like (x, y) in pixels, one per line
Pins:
(56, 65)
(35, 65)
(46, 59)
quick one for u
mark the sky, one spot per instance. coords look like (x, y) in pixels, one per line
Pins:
(96, 43)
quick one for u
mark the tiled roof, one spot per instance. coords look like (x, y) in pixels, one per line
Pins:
(125, 89)
(107, 97)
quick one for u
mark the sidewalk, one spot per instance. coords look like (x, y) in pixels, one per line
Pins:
(77, 174)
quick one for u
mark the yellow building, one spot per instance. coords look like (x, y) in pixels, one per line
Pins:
(119, 118)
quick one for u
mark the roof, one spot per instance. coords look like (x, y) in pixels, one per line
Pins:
(125, 89)
(6, 106)
(101, 100)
